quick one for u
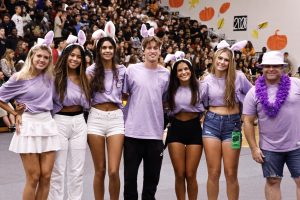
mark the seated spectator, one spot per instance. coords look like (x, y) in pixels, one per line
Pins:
(8, 24)
(7, 64)
(2, 41)
(248, 50)
(8, 119)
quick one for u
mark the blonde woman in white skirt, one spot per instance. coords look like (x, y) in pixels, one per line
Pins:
(36, 138)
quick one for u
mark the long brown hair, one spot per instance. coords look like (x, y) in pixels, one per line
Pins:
(97, 84)
(175, 83)
(229, 94)
(61, 73)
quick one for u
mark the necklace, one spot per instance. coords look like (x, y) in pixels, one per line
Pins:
(261, 90)
(108, 92)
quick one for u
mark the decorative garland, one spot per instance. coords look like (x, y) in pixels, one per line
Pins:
(272, 109)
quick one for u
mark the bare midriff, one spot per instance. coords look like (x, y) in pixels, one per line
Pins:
(185, 116)
(225, 110)
(75, 108)
(108, 106)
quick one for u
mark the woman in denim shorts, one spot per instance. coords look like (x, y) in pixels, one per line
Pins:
(105, 121)
(184, 137)
(225, 89)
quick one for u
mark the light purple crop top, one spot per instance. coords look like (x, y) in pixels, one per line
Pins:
(214, 89)
(73, 96)
(35, 93)
(113, 89)
(183, 101)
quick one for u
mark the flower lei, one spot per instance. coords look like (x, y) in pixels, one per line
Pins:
(272, 109)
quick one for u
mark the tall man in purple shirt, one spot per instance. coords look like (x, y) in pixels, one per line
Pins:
(275, 101)
(146, 83)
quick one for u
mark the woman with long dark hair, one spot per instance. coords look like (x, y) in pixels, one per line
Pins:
(71, 96)
(185, 133)
(105, 122)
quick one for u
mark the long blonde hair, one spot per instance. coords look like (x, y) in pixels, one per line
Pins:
(9, 61)
(27, 70)
(229, 94)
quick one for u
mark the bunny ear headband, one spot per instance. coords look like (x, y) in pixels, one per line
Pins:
(146, 33)
(235, 47)
(178, 56)
(47, 40)
(79, 40)
(109, 31)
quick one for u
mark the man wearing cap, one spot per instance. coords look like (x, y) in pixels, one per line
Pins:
(275, 101)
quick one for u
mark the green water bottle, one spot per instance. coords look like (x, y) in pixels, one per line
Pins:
(236, 139)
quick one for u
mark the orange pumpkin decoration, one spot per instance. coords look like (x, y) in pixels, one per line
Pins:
(207, 14)
(224, 7)
(277, 42)
(175, 3)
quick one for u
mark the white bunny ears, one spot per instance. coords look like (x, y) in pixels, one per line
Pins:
(146, 33)
(109, 31)
(235, 47)
(47, 40)
(178, 56)
(79, 40)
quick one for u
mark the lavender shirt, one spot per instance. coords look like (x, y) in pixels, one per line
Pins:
(35, 93)
(73, 96)
(146, 87)
(282, 133)
(215, 88)
(183, 101)
(113, 88)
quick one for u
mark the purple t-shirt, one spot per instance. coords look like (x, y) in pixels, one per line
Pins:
(146, 87)
(183, 101)
(73, 96)
(215, 88)
(113, 88)
(282, 133)
(35, 93)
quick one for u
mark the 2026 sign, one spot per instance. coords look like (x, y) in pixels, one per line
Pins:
(240, 23)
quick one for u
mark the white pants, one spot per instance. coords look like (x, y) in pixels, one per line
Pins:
(70, 159)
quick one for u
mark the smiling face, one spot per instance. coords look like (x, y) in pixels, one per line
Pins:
(40, 60)
(74, 59)
(183, 73)
(152, 52)
(222, 62)
(107, 51)
(272, 73)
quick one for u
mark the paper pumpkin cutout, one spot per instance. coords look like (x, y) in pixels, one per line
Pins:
(207, 14)
(224, 7)
(277, 42)
(175, 3)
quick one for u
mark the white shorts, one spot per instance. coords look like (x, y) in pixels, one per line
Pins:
(105, 123)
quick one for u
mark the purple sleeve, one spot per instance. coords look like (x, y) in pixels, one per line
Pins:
(246, 84)
(90, 70)
(126, 86)
(11, 89)
(204, 93)
(249, 106)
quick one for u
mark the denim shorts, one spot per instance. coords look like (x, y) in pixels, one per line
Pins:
(274, 162)
(220, 126)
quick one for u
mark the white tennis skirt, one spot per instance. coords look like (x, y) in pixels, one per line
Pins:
(38, 134)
